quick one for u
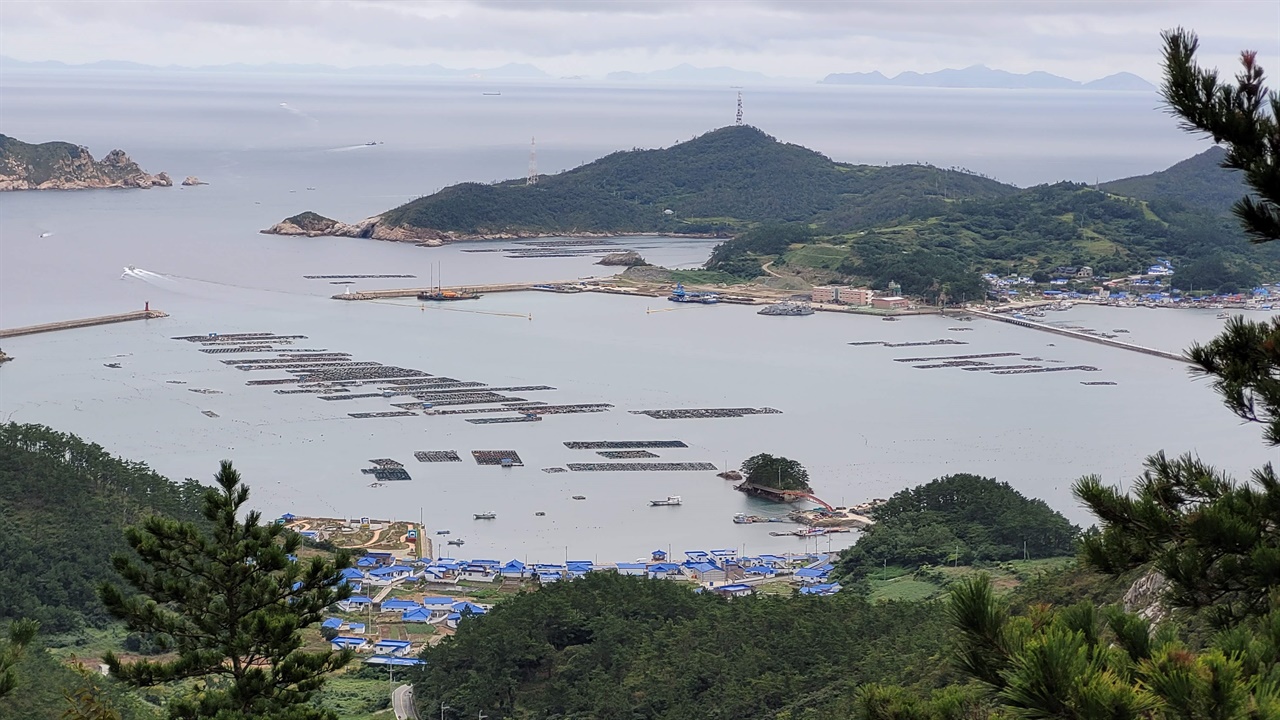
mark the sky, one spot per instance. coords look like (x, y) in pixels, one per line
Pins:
(1080, 39)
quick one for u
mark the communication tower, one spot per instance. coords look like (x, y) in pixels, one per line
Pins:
(532, 179)
(738, 121)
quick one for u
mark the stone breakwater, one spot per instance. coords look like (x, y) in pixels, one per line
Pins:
(63, 166)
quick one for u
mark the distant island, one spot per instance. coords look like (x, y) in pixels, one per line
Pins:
(64, 166)
(981, 76)
(927, 231)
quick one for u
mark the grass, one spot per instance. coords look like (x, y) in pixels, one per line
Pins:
(897, 583)
(825, 257)
(905, 588)
(355, 696)
(705, 277)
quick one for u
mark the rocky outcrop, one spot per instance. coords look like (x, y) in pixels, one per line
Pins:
(193, 180)
(313, 224)
(1145, 597)
(63, 166)
(628, 258)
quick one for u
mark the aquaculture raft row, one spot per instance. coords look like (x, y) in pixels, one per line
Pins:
(626, 454)
(636, 467)
(501, 420)
(703, 413)
(384, 414)
(387, 474)
(918, 343)
(357, 277)
(437, 456)
(623, 444)
(495, 457)
(386, 463)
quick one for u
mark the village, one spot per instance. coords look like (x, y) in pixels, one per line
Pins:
(403, 598)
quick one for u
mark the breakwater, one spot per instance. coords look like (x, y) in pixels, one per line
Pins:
(147, 314)
(1177, 357)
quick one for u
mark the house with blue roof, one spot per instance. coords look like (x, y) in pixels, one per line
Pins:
(343, 642)
(417, 615)
(707, 572)
(696, 556)
(398, 605)
(394, 648)
(821, 589)
(355, 628)
(550, 576)
(774, 561)
(333, 623)
(465, 607)
(665, 570)
(393, 661)
(513, 569)
(761, 570)
(725, 554)
(734, 590)
(355, 603)
(659, 555)
(478, 573)
(352, 574)
(638, 568)
(811, 575)
(366, 562)
(390, 573)
(451, 620)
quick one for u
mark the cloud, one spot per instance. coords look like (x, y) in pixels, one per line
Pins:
(808, 38)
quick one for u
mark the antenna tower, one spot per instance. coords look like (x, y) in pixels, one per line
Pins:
(532, 179)
(738, 121)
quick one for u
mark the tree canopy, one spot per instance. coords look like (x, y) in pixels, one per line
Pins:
(232, 601)
(64, 504)
(779, 473)
(959, 518)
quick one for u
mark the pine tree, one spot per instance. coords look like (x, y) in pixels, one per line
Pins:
(233, 602)
(19, 636)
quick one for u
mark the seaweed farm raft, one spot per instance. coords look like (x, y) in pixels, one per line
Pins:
(705, 413)
(335, 376)
(496, 457)
(641, 466)
(437, 456)
(624, 444)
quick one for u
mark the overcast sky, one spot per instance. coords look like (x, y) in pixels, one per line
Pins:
(1080, 39)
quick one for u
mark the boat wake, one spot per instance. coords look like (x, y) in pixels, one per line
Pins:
(147, 276)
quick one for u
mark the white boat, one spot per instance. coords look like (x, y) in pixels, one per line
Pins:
(486, 516)
(670, 501)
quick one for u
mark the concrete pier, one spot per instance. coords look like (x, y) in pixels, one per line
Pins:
(1177, 357)
(413, 292)
(147, 314)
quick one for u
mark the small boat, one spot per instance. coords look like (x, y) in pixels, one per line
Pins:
(671, 501)
(443, 295)
(112, 365)
(486, 516)
(889, 319)
(540, 513)
(1224, 316)
(442, 532)
(491, 93)
(579, 497)
(459, 541)
(680, 295)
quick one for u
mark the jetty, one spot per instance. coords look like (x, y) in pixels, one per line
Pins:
(1176, 357)
(144, 314)
(413, 292)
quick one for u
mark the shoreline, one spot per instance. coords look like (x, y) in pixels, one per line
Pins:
(373, 229)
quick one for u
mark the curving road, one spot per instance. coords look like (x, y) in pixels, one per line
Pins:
(402, 703)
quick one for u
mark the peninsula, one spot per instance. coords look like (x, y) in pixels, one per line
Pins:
(64, 166)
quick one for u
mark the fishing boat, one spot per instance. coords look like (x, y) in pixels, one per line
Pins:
(459, 541)
(681, 295)
(540, 513)
(442, 532)
(671, 501)
(889, 319)
(1224, 316)
(579, 497)
(486, 516)
(437, 293)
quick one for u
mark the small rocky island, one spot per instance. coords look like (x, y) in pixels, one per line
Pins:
(64, 166)
(626, 258)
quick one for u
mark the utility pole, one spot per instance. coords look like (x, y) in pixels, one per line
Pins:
(443, 707)
(532, 178)
(738, 120)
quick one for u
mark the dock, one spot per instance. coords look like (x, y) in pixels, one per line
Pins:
(413, 292)
(147, 314)
(1176, 357)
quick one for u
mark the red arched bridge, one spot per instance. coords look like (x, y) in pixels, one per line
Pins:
(781, 495)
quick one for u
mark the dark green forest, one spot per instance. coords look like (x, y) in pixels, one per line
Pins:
(610, 647)
(64, 505)
(960, 519)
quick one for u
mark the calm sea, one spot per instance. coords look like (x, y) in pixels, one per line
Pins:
(865, 424)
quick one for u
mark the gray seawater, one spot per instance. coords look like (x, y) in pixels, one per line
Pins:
(864, 424)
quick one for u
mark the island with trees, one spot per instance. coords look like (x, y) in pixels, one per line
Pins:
(64, 166)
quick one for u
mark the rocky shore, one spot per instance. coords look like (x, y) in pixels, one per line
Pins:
(64, 166)
(312, 224)
(627, 258)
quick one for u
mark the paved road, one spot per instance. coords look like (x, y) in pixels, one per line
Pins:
(402, 703)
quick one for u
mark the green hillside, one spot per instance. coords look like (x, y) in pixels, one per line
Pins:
(725, 179)
(1198, 181)
(64, 505)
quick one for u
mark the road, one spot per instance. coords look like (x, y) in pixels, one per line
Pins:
(402, 703)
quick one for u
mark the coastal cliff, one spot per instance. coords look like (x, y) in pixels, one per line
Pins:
(64, 166)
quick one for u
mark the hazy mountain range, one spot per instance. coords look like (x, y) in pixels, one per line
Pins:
(981, 76)
(977, 76)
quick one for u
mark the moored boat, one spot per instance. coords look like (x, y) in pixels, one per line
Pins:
(671, 500)
(486, 516)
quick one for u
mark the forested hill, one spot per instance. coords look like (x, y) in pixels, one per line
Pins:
(1199, 181)
(64, 504)
(718, 182)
